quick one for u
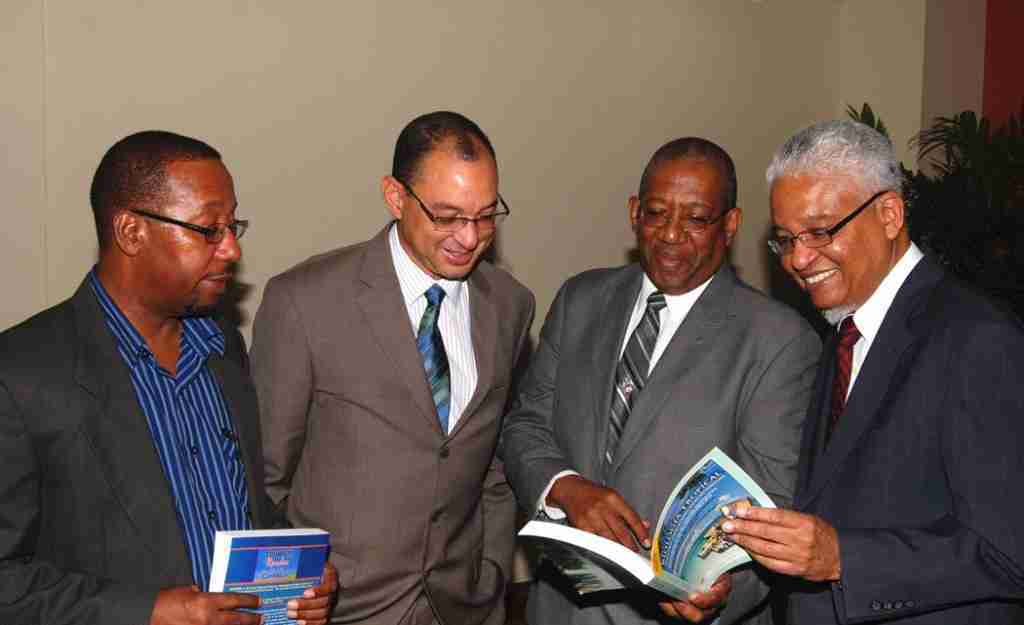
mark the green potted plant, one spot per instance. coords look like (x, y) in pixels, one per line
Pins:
(969, 213)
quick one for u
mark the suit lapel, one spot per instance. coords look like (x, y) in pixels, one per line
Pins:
(120, 436)
(883, 364)
(385, 312)
(813, 434)
(683, 352)
(483, 310)
(609, 332)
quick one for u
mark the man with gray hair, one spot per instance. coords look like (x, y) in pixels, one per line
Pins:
(904, 509)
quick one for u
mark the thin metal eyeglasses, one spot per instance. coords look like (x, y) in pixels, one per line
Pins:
(213, 234)
(660, 218)
(444, 223)
(782, 244)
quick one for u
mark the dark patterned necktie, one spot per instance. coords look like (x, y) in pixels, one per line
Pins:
(435, 360)
(848, 337)
(631, 373)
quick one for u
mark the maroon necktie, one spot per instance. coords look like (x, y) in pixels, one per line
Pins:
(848, 336)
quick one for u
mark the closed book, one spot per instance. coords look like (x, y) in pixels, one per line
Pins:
(276, 565)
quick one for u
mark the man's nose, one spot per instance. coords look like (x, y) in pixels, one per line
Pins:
(228, 247)
(467, 235)
(801, 256)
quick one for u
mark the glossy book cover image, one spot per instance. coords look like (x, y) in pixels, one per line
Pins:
(689, 543)
(277, 565)
(689, 550)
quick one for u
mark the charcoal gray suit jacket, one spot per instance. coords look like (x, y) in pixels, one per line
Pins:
(88, 528)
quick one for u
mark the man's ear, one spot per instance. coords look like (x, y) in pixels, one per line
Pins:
(129, 232)
(732, 219)
(892, 213)
(394, 195)
(634, 212)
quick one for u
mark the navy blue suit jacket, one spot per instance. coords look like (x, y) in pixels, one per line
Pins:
(923, 475)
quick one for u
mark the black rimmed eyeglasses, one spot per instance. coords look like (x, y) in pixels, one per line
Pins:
(782, 244)
(214, 234)
(484, 223)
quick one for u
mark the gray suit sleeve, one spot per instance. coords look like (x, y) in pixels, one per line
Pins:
(768, 445)
(33, 590)
(283, 375)
(532, 455)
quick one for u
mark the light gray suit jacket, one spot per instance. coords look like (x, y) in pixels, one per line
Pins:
(737, 374)
(420, 522)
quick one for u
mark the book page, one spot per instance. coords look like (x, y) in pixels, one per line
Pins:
(591, 563)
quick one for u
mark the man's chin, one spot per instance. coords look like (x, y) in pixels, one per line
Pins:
(456, 272)
(200, 309)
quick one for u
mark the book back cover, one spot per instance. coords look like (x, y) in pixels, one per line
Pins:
(276, 565)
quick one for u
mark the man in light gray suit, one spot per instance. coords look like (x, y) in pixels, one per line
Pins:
(382, 371)
(641, 370)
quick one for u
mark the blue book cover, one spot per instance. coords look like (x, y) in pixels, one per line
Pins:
(276, 565)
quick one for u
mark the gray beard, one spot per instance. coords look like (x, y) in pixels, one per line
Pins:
(835, 315)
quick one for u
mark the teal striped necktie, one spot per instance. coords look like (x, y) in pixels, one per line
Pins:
(435, 360)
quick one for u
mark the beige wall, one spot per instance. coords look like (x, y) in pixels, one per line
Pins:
(954, 58)
(305, 101)
(22, 189)
(882, 58)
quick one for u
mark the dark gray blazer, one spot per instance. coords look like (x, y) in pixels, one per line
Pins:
(923, 473)
(88, 528)
(736, 374)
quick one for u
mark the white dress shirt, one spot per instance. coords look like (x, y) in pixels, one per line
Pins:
(868, 318)
(677, 307)
(454, 321)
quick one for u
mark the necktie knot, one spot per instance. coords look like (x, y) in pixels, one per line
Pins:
(435, 295)
(656, 301)
(848, 333)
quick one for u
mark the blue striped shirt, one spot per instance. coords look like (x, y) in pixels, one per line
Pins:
(191, 427)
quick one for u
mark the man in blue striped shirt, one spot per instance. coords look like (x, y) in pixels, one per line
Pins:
(128, 425)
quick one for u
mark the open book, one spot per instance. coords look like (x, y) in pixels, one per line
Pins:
(278, 565)
(689, 549)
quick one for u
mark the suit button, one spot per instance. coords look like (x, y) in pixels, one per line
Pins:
(445, 452)
(875, 605)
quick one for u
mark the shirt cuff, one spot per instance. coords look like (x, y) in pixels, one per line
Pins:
(555, 514)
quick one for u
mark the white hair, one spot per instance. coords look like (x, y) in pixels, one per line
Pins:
(839, 148)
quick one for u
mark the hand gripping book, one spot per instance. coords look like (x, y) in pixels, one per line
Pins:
(689, 549)
(276, 565)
